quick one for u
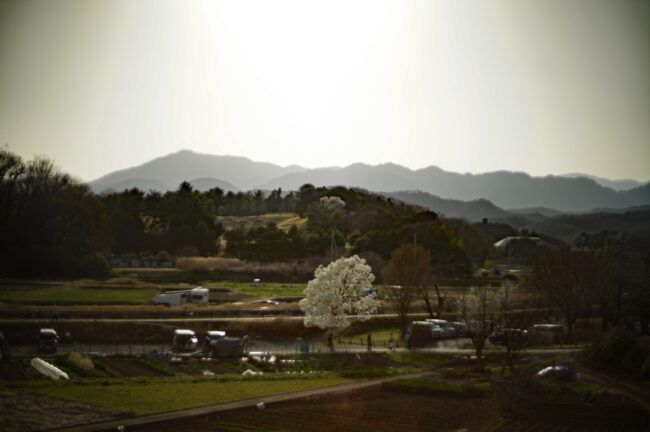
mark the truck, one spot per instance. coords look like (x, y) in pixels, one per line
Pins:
(197, 296)
(211, 339)
(48, 340)
(184, 340)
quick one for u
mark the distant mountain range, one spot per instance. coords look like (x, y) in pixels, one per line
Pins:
(460, 195)
(618, 185)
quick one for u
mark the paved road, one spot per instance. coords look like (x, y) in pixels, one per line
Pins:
(172, 320)
(447, 346)
(248, 403)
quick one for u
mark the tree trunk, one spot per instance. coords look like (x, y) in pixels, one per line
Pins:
(427, 304)
(479, 357)
(441, 300)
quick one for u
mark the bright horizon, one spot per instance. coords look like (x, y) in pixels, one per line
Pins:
(546, 88)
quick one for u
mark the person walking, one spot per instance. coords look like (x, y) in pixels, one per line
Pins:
(330, 342)
(245, 344)
(369, 342)
(409, 335)
(391, 343)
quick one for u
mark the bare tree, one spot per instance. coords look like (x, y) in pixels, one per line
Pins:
(410, 270)
(512, 317)
(607, 263)
(559, 281)
(441, 301)
(479, 309)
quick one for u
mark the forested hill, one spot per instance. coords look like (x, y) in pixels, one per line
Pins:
(53, 226)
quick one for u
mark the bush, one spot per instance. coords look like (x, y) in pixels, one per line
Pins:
(163, 255)
(620, 350)
(77, 361)
(436, 388)
(187, 251)
(239, 270)
(94, 265)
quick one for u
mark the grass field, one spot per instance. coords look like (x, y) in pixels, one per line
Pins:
(146, 396)
(72, 295)
(259, 292)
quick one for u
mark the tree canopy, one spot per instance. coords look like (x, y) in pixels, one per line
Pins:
(337, 291)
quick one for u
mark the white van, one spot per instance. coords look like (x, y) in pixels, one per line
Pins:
(197, 296)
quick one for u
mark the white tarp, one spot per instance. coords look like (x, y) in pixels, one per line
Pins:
(48, 369)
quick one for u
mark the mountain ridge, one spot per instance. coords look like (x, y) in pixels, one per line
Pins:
(504, 189)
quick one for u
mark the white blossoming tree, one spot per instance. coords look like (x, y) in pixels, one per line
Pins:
(338, 291)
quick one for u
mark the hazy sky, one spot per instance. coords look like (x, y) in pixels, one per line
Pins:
(547, 87)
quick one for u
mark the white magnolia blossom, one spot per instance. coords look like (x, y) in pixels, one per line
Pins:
(332, 202)
(338, 291)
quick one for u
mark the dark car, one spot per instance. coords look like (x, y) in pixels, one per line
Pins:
(510, 337)
(48, 341)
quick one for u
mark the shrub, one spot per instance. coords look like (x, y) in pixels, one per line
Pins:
(80, 362)
(163, 255)
(187, 251)
(94, 265)
(436, 388)
(620, 350)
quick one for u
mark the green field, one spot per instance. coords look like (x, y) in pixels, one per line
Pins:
(73, 295)
(259, 292)
(146, 396)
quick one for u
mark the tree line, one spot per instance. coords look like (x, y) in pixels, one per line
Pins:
(52, 225)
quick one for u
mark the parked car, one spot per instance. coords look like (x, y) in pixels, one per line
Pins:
(461, 327)
(185, 340)
(510, 336)
(211, 339)
(435, 331)
(48, 340)
(559, 373)
(448, 329)
(547, 334)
